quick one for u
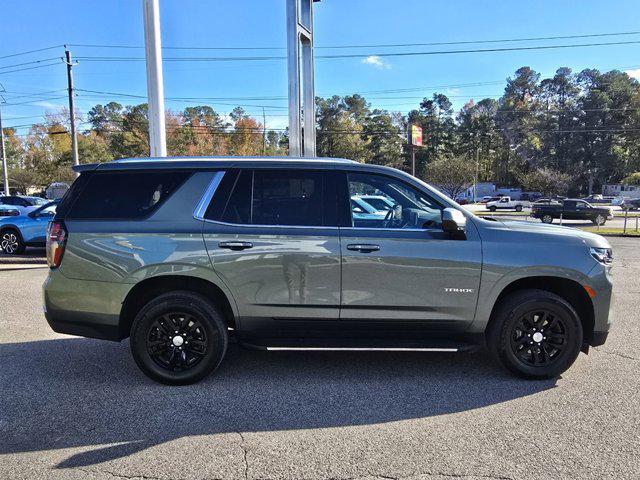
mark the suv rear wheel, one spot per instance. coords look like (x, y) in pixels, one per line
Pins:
(535, 334)
(11, 242)
(178, 338)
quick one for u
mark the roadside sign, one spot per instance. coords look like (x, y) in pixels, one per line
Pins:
(416, 135)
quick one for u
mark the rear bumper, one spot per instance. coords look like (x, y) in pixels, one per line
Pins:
(83, 308)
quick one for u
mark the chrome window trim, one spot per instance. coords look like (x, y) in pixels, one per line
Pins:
(203, 204)
(315, 227)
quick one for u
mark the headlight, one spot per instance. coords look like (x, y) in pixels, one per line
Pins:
(602, 255)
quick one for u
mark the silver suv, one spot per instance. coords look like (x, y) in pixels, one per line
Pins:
(181, 255)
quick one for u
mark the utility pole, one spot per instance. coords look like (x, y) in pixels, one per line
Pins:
(155, 85)
(72, 109)
(264, 133)
(475, 179)
(3, 154)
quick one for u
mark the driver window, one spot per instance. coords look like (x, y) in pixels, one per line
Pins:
(406, 206)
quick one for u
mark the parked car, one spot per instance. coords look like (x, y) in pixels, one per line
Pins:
(9, 211)
(363, 210)
(547, 201)
(179, 254)
(598, 199)
(379, 203)
(571, 209)
(530, 196)
(631, 204)
(20, 203)
(506, 203)
(26, 230)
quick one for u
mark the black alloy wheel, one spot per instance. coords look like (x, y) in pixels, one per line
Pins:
(179, 338)
(535, 334)
(538, 337)
(176, 341)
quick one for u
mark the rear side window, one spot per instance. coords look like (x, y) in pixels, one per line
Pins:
(124, 195)
(277, 197)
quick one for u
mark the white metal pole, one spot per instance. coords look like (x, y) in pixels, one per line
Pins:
(155, 86)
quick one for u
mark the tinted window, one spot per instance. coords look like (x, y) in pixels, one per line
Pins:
(412, 208)
(277, 197)
(284, 197)
(125, 195)
(238, 208)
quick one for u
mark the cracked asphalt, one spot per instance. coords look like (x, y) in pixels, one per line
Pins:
(73, 408)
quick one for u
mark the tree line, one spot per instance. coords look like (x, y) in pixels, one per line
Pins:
(574, 131)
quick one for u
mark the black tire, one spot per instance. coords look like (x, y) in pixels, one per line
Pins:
(518, 208)
(11, 242)
(547, 219)
(559, 334)
(492, 208)
(196, 320)
(599, 220)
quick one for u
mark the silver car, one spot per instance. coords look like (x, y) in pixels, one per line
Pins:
(181, 254)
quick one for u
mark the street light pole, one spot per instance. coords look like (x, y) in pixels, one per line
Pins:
(155, 85)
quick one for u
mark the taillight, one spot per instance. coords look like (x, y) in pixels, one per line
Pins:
(56, 240)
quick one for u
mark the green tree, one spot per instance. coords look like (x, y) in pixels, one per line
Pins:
(451, 174)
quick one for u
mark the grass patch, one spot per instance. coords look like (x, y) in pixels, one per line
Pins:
(614, 232)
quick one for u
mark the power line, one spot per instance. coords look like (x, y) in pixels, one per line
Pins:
(360, 55)
(377, 45)
(29, 68)
(29, 63)
(31, 51)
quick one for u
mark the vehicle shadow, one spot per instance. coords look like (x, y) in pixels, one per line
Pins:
(69, 393)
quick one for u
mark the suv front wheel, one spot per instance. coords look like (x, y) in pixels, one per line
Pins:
(535, 334)
(178, 338)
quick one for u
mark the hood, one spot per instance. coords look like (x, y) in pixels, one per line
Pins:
(557, 231)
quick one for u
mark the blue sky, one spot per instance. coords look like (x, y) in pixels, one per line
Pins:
(35, 24)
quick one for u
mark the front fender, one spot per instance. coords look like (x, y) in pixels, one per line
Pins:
(496, 279)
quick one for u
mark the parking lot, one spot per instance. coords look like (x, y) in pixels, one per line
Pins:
(80, 409)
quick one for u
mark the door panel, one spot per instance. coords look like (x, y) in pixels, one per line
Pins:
(286, 273)
(404, 274)
(413, 275)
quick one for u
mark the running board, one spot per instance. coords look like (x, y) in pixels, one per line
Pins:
(361, 349)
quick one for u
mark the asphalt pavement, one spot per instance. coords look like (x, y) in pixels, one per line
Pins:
(80, 409)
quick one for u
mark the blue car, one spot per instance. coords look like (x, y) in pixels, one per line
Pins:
(26, 230)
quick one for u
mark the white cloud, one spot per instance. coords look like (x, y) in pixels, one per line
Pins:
(49, 105)
(634, 73)
(377, 62)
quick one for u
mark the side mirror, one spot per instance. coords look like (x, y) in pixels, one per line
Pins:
(453, 221)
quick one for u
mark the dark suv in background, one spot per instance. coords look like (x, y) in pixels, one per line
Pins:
(180, 254)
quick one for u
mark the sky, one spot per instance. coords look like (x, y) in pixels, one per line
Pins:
(395, 83)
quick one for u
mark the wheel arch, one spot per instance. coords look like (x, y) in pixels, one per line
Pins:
(571, 290)
(149, 288)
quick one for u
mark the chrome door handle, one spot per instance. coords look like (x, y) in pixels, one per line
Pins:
(363, 247)
(235, 245)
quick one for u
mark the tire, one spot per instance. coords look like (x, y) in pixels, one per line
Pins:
(492, 208)
(11, 242)
(599, 220)
(518, 208)
(547, 218)
(196, 320)
(535, 354)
